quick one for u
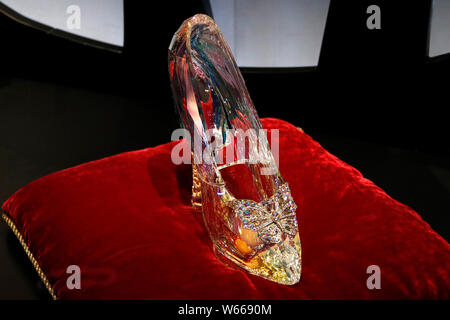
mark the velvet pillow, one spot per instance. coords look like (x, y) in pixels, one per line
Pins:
(127, 223)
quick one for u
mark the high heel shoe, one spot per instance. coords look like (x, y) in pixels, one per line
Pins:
(246, 205)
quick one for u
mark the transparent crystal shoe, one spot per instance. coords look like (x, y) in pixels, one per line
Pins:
(246, 205)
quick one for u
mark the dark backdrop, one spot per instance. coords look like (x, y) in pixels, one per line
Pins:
(374, 84)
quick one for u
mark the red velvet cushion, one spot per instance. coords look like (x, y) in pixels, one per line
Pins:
(127, 222)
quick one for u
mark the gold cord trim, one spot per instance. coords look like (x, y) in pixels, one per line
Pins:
(36, 266)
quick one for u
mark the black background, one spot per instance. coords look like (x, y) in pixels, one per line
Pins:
(375, 84)
(375, 100)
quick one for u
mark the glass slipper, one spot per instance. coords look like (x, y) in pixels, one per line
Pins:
(247, 207)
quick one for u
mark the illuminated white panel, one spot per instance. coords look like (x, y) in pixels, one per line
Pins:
(100, 20)
(267, 33)
(440, 28)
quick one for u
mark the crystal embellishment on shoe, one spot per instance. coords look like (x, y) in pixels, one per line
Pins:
(271, 219)
(258, 234)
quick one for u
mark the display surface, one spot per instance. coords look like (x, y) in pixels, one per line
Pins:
(246, 204)
(127, 222)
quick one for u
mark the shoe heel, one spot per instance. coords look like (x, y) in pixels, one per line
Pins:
(196, 189)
